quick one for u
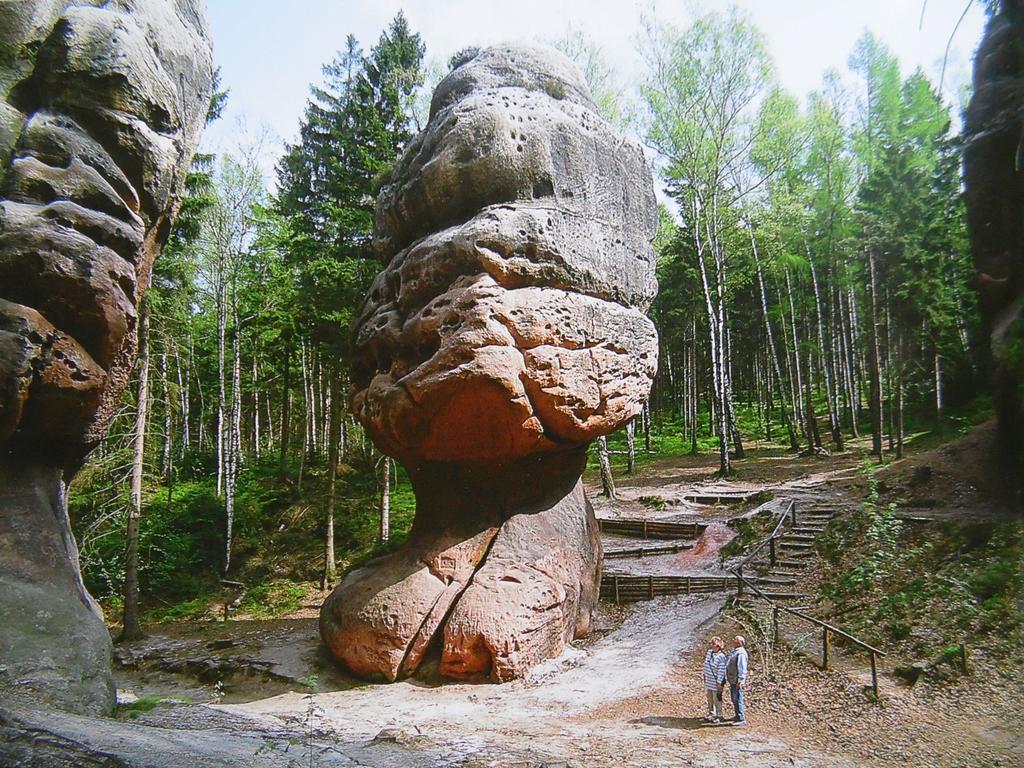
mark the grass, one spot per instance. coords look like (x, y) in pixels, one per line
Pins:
(147, 704)
(186, 610)
(268, 601)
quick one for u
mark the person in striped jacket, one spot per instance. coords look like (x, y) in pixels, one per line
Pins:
(714, 679)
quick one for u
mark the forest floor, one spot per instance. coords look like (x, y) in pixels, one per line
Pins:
(630, 694)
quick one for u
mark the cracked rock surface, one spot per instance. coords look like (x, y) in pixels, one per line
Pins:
(101, 106)
(506, 331)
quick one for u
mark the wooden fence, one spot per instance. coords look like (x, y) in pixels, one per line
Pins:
(724, 497)
(827, 630)
(624, 588)
(651, 529)
(665, 549)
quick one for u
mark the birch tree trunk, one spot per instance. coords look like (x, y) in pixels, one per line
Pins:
(168, 444)
(631, 446)
(647, 426)
(286, 407)
(333, 439)
(183, 397)
(823, 359)
(607, 481)
(131, 630)
(384, 485)
(796, 359)
(233, 448)
(874, 364)
(222, 395)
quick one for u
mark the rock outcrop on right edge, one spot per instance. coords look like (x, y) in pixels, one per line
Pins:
(506, 331)
(994, 194)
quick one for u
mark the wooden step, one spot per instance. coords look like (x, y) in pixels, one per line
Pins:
(793, 536)
(782, 580)
(785, 544)
(784, 595)
(781, 562)
(811, 529)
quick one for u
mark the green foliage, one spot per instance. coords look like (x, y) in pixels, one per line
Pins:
(749, 531)
(186, 610)
(906, 585)
(354, 127)
(266, 601)
(147, 704)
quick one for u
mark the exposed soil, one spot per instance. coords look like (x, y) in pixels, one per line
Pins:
(956, 480)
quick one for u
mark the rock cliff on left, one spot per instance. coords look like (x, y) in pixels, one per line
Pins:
(101, 107)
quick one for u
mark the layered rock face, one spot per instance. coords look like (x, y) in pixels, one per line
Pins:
(506, 331)
(994, 195)
(101, 106)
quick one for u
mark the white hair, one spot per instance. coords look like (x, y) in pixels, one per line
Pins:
(741, 640)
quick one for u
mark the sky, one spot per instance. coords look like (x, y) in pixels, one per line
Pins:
(270, 51)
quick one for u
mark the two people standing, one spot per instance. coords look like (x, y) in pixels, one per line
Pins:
(719, 670)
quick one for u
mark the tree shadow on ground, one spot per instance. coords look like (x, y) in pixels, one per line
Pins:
(679, 723)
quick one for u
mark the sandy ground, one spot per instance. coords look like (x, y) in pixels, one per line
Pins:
(597, 705)
(630, 695)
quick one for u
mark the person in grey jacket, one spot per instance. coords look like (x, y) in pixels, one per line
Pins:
(714, 679)
(736, 674)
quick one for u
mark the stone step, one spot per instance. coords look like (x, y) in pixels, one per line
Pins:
(782, 562)
(786, 544)
(808, 529)
(794, 536)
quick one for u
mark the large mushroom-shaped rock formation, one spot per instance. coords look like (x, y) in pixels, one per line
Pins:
(101, 105)
(506, 331)
(994, 183)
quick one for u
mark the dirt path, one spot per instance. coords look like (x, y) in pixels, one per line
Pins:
(630, 694)
(623, 698)
(600, 705)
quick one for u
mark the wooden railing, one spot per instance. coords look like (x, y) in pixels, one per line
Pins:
(651, 529)
(625, 588)
(789, 513)
(826, 630)
(664, 549)
(723, 497)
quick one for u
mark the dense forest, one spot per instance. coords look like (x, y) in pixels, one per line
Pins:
(814, 288)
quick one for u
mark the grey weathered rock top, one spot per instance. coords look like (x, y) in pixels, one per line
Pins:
(101, 107)
(530, 67)
(515, 125)
(516, 232)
